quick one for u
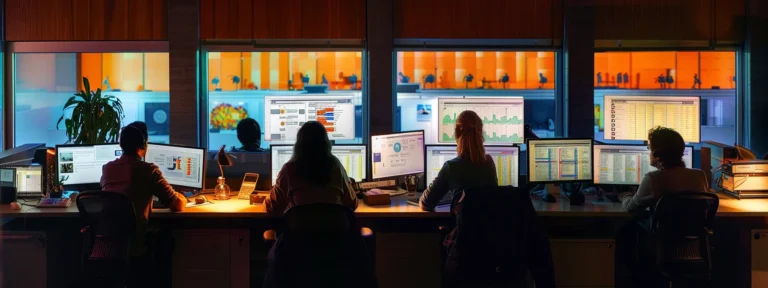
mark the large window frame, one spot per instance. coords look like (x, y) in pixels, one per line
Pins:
(60, 47)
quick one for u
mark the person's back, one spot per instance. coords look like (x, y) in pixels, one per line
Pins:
(249, 135)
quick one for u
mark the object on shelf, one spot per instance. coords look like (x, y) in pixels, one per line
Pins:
(315, 89)
(324, 80)
(215, 82)
(542, 80)
(404, 79)
(225, 116)
(696, 81)
(156, 115)
(429, 78)
(304, 79)
(468, 79)
(504, 79)
(106, 82)
(235, 80)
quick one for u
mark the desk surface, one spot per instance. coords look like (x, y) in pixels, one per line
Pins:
(234, 208)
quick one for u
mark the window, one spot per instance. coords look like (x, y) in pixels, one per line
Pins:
(238, 83)
(425, 76)
(710, 75)
(43, 82)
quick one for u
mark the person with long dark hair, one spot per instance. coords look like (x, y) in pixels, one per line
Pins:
(313, 175)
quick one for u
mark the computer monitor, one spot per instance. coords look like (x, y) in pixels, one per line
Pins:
(626, 164)
(286, 114)
(8, 177)
(630, 117)
(181, 166)
(352, 157)
(397, 154)
(559, 160)
(502, 118)
(506, 158)
(81, 164)
(29, 178)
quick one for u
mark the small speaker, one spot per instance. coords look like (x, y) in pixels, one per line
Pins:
(7, 195)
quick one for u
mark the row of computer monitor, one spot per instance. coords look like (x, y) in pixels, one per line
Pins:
(549, 160)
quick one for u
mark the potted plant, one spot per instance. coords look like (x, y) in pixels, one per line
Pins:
(95, 119)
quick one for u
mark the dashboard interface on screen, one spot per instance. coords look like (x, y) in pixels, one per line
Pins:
(627, 164)
(284, 115)
(181, 166)
(559, 160)
(352, 157)
(502, 118)
(397, 154)
(82, 164)
(630, 117)
(506, 159)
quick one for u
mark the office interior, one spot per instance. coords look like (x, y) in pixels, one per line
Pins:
(193, 69)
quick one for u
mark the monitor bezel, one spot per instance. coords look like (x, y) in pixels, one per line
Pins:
(205, 162)
(370, 152)
(74, 146)
(519, 158)
(591, 156)
(14, 184)
(440, 100)
(605, 114)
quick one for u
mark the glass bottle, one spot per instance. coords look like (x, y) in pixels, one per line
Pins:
(221, 192)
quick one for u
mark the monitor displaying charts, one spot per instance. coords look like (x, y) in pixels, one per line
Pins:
(506, 158)
(352, 157)
(559, 160)
(630, 117)
(284, 115)
(502, 118)
(181, 166)
(627, 164)
(81, 164)
(397, 154)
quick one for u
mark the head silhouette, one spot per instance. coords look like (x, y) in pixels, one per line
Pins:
(133, 139)
(312, 153)
(469, 137)
(667, 148)
(249, 133)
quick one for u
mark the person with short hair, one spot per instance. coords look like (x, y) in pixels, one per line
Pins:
(249, 134)
(667, 148)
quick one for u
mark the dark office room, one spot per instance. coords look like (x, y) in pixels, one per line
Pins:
(383, 143)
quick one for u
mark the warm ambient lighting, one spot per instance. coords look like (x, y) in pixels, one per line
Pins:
(751, 205)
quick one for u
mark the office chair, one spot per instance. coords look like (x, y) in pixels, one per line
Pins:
(681, 226)
(320, 246)
(110, 224)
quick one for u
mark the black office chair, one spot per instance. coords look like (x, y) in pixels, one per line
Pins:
(110, 224)
(680, 231)
(320, 246)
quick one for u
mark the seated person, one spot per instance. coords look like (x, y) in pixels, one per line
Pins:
(249, 134)
(313, 175)
(471, 168)
(667, 147)
(129, 174)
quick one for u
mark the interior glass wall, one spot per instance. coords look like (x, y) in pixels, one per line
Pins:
(43, 82)
(708, 74)
(238, 83)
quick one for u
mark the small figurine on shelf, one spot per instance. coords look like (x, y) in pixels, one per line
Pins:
(468, 79)
(236, 81)
(215, 82)
(670, 79)
(323, 80)
(429, 78)
(304, 79)
(403, 78)
(290, 85)
(106, 82)
(484, 83)
(626, 79)
(599, 79)
(696, 81)
(662, 81)
(352, 82)
(618, 80)
(504, 79)
(542, 80)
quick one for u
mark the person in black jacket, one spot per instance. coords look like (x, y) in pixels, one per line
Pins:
(249, 134)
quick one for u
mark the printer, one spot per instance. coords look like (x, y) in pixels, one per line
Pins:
(745, 179)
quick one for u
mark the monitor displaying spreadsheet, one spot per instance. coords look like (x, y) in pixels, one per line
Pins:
(502, 118)
(286, 114)
(559, 160)
(627, 164)
(630, 117)
(29, 178)
(352, 157)
(506, 158)
(397, 154)
(181, 166)
(81, 164)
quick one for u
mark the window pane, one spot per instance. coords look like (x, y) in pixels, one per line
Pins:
(710, 75)
(239, 81)
(43, 82)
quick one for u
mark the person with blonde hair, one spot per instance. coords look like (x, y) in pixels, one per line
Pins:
(471, 168)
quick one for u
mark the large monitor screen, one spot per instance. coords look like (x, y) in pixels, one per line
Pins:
(502, 118)
(352, 157)
(81, 164)
(559, 160)
(627, 164)
(397, 154)
(630, 117)
(506, 158)
(181, 166)
(284, 115)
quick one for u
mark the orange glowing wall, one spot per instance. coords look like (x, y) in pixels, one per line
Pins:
(273, 70)
(451, 67)
(644, 68)
(126, 71)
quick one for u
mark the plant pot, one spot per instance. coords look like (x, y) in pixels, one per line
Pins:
(55, 194)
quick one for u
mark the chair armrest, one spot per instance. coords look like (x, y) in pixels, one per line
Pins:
(85, 229)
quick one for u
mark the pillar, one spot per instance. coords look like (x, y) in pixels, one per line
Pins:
(184, 45)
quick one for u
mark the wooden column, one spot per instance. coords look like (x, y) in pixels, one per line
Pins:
(579, 60)
(380, 66)
(184, 45)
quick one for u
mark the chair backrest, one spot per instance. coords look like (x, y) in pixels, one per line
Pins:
(685, 213)
(109, 215)
(319, 218)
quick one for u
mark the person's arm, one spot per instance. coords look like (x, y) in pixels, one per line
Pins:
(165, 193)
(278, 200)
(643, 199)
(436, 190)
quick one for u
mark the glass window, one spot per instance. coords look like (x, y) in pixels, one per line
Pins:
(43, 82)
(708, 74)
(238, 83)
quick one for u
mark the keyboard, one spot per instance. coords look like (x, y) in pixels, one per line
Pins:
(54, 203)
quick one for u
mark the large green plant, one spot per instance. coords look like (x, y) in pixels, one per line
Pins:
(95, 118)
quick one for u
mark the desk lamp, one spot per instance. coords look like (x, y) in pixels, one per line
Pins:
(221, 191)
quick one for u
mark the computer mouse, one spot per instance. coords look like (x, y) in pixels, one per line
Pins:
(15, 206)
(201, 199)
(549, 198)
